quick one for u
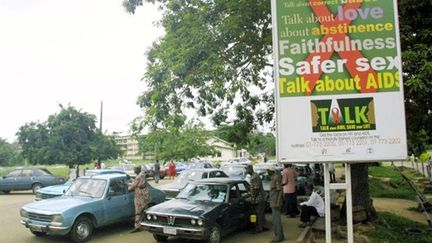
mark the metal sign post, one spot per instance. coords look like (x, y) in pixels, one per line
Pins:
(338, 186)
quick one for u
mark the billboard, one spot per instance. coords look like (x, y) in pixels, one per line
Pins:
(339, 92)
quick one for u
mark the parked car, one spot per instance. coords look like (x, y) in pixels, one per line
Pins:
(128, 168)
(199, 165)
(89, 203)
(29, 178)
(172, 189)
(203, 210)
(58, 190)
(240, 160)
(236, 171)
(305, 179)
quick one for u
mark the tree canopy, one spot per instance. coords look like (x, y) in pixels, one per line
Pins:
(214, 55)
(69, 137)
(190, 141)
(9, 154)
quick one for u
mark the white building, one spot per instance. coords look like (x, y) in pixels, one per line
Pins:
(225, 150)
(129, 145)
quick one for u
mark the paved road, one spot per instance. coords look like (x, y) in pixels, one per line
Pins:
(11, 231)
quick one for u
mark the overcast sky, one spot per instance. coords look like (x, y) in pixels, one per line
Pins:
(77, 52)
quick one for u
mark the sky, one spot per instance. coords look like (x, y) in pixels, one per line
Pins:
(76, 53)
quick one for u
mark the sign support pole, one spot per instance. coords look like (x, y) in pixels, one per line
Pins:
(338, 186)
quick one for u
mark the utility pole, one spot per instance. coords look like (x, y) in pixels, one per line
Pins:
(100, 117)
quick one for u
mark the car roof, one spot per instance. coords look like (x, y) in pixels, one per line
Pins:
(218, 180)
(106, 176)
(205, 169)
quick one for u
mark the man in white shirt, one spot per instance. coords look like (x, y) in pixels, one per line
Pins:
(313, 207)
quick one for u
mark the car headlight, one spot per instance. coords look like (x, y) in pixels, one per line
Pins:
(57, 218)
(154, 217)
(24, 213)
(193, 221)
(200, 222)
(149, 217)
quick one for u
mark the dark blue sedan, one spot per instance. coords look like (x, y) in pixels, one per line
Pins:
(29, 178)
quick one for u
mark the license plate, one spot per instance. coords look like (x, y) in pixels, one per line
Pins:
(36, 228)
(169, 231)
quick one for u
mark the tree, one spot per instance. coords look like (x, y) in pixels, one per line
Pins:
(215, 53)
(178, 144)
(8, 153)
(69, 137)
(262, 143)
(416, 39)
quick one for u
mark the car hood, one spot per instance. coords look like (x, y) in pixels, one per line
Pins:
(58, 204)
(183, 207)
(57, 190)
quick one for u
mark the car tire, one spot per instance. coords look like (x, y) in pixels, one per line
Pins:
(215, 235)
(160, 238)
(6, 191)
(82, 230)
(37, 233)
(36, 187)
(161, 177)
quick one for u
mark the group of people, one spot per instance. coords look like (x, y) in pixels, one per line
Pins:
(282, 198)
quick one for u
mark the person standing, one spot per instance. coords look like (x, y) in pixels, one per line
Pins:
(156, 169)
(313, 207)
(142, 196)
(332, 173)
(172, 170)
(275, 196)
(289, 179)
(257, 199)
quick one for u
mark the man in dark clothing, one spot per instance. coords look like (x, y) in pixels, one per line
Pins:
(157, 171)
(276, 204)
(257, 199)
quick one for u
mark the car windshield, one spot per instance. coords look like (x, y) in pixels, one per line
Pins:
(87, 187)
(204, 192)
(234, 171)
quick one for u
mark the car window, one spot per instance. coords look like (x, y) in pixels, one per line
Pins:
(205, 175)
(117, 187)
(233, 194)
(41, 172)
(203, 192)
(14, 173)
(243, 189)
(27, 173)
(214, 174)
(87, 187)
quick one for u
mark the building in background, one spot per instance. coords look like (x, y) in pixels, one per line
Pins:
(129, 145)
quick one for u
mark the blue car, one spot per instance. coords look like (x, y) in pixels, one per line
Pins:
(90, 202)
(28, 179)
(58, 190)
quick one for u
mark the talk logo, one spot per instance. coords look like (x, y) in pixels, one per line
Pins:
(337, 115)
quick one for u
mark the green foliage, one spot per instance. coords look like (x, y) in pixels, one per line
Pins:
(185, 143)
(416, 39)
(211, 60)
(424, 157)
(69, 137)
(259, 143)
(379, 189)
(398, 231)
(9, 154)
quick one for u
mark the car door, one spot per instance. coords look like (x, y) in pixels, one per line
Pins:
(9, 182)
(237, 214)
(25, 180)
(117, 202)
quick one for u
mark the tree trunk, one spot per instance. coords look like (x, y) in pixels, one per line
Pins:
(360, 191)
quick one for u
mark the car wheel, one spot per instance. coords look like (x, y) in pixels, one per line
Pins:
(160, 238)
(6, 191)
(215, 235)
(36, 187)
(37, 233)
(82, 230)
(161, 177)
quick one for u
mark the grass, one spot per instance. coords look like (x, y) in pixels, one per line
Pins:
(379, 189)
(63, 170)
(398, 231)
